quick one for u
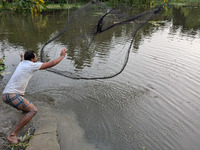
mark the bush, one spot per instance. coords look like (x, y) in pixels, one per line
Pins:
(2, 65)
(33, 6)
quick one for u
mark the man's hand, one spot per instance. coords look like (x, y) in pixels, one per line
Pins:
(22, 56)
(55, 61)
(63, 52)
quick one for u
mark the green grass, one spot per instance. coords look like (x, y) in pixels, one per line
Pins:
(63, 6)
(8, 6)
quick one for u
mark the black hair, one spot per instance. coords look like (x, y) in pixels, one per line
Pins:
(29, 55)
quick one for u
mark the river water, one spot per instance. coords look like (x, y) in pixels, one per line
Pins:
(153, 104)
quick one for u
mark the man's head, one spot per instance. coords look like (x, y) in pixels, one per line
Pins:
(30, 55)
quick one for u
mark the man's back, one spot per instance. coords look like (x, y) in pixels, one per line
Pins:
(20, 78)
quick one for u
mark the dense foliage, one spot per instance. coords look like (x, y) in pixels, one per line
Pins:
(21, 5)
(2, 65)
(33, 6)
(36, 6)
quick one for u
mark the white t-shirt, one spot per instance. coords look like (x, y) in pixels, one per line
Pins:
(20, 78)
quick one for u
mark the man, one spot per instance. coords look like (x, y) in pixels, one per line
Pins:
(15, 89)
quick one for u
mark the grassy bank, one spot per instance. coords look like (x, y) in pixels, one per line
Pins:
(9, 6)
(110, 4)
(64, 6)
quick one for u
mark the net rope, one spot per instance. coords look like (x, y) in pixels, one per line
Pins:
(92, 34)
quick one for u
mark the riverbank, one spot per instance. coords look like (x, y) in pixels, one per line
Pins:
(47, 133)
(40, 134)
(60, 6)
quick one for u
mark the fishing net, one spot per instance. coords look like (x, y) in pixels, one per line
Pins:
(98, 39)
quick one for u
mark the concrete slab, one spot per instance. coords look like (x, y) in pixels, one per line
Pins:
(45, 138)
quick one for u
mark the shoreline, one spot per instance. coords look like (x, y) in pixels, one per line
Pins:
(48, 135)
(64, 6)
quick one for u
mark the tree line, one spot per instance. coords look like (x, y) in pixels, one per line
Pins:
(131, 2)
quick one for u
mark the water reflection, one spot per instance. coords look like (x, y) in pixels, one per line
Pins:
(187, 18)
(32, 33)
(27, 31)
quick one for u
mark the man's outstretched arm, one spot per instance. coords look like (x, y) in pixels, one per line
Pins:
(55, 61)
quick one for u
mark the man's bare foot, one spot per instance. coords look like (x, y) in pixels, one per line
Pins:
(12, 138)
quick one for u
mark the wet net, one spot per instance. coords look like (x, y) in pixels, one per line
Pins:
(98, 39)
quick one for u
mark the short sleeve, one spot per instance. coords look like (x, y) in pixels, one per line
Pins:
(36, 66)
